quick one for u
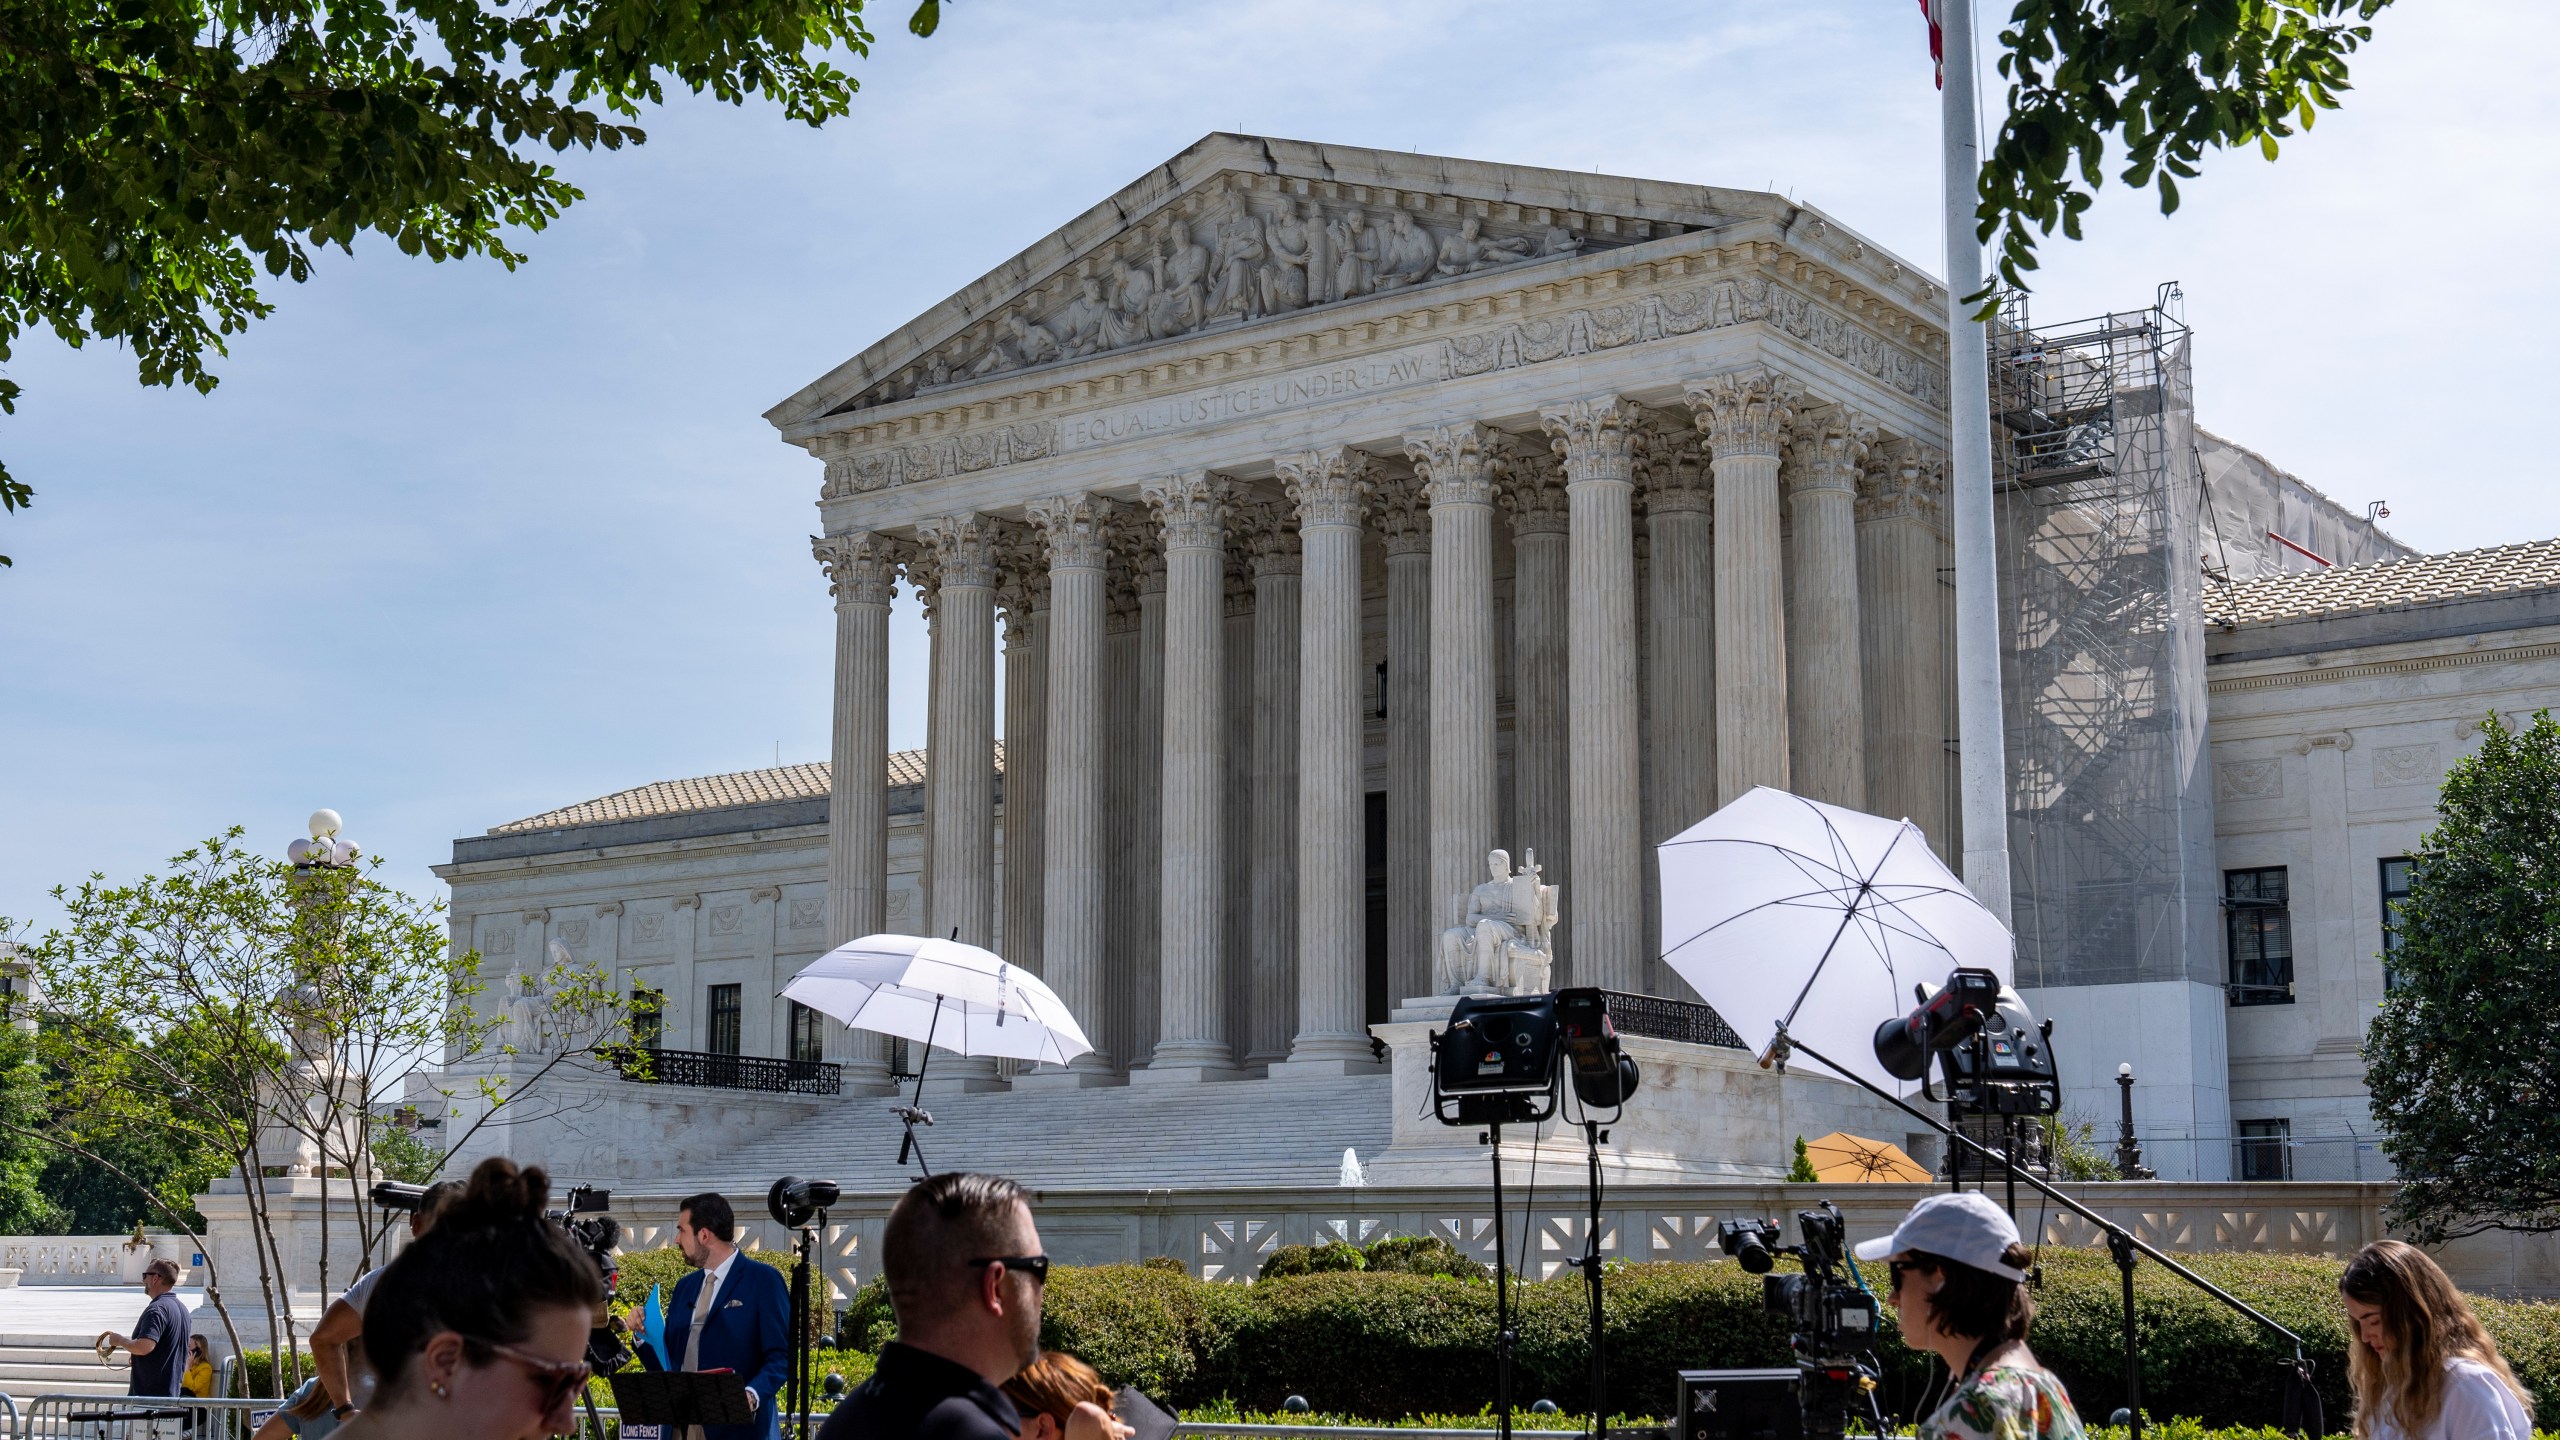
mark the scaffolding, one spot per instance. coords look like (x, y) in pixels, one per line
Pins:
(2096, 494)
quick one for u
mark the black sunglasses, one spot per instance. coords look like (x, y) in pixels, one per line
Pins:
(1035, 1266)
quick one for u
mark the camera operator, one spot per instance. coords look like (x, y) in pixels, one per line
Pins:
(731, 1313)
(341, 1328)
(1959, 1292)
(966, 1276)
(480, 1328)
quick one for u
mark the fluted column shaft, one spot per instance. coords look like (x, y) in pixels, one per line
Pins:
(1682, 642)
(1455, 464)
(1597, 438)
(962, 766)
(1745, 418)
(1272, 948)
(1146, 778)
(1404, 524)
(1541, 723)
(1826, 704)
(1327, 487)
(1191, 509)
(1121, 832)
(1026, 727)
(1073, 846)
(861, 573)
(1902, 622)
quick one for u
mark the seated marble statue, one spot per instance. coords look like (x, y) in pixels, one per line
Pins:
(1505, 944)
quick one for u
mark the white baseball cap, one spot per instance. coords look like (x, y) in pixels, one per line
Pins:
(1968, 1227)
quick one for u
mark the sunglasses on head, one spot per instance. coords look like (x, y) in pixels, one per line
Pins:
(1035, 1266)
(559, 1379)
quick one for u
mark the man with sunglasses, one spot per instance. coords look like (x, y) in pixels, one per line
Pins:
(965, 1275)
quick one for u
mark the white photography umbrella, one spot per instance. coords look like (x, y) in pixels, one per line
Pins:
(1798, 919)
(939, 992)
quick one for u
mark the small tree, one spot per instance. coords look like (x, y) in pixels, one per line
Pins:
(1801, 1172)
(253, 1013)
(2463, 1062)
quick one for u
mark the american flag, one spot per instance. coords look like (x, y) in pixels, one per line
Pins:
(1937, 43)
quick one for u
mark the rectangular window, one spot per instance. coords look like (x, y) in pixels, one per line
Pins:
(2258, 917)
(648, 1018)
(2265, 1150)
(808, 1042)
(720, 1028)
(2395, 888)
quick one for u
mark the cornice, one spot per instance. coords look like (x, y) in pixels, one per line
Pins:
(2326, 674)
(1472, 327)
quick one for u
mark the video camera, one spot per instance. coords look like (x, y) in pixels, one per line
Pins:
(1831, 1323)
(596, 1233)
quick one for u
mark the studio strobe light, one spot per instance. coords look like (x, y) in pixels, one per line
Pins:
(801, 1206)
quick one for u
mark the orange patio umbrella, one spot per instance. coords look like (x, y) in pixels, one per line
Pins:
(1842, 1158)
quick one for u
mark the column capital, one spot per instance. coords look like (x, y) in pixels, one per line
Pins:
(923, 566)
(1022, 583)
(1673, 474)
(1829, 450)
(1267, 534)
(1240, 596)
(1191, 506)
(1533, 491)
(1076, 529)
(1327, 486)
(1401, 514)
(861, 565)
(965, 545)
(1903, 478)
(1597, 439)
(1457, 464)
(1143, 547)
(1745, 412)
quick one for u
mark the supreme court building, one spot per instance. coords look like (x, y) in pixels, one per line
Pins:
(1341, 515)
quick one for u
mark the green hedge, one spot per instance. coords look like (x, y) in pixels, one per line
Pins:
(1386, 1344)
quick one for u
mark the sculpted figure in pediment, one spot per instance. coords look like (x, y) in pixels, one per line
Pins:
(1471, 250)
(1133, 307)
(1081, 326)
(1241, 253)
(1406, 255)
(1355, 250)
(1560, 241)
(1293, 243)
(1322, 259)
(1183, 265)
(1019, 342)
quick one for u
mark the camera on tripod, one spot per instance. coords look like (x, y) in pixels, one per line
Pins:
(597, 1233)
(1831, 1328)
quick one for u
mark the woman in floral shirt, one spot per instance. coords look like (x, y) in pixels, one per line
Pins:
(1959, 1291)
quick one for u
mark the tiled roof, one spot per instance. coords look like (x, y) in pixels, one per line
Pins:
(715, 792)
(2388, 584)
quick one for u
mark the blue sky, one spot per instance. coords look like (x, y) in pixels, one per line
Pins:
(451, 545)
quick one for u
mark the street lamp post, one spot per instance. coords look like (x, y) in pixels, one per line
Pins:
(2128, 1150)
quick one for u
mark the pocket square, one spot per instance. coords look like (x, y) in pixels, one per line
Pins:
(735, 1305)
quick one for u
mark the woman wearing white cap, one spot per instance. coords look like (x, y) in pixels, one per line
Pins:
(1959, 1292)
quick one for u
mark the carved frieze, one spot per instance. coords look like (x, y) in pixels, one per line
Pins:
(1509, 345)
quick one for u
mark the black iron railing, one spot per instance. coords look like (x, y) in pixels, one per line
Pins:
(729, 1072)
(1693, 1022)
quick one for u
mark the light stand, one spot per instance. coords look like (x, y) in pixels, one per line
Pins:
(1589, 1264)
(801, 1206)
(2122, 1244)
(1505, 1339)
(913, 1113)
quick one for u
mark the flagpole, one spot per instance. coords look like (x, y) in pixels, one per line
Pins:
(1980, 739)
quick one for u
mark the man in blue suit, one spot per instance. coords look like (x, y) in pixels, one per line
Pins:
(731, 1313)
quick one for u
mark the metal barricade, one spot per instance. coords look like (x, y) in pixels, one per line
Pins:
(138, 1417)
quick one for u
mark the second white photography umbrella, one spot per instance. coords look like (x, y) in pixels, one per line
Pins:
(1796, 918)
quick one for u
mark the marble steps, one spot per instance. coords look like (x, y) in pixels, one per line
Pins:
(32, 1365)
(1240, 1133)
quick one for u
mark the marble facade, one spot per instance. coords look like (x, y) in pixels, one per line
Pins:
(1544, 507)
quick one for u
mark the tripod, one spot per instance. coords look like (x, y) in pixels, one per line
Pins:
(803, 1363)
(1589, 1265)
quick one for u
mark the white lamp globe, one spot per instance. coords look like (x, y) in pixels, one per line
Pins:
(345, 853)
(324, 823)
(299, 852)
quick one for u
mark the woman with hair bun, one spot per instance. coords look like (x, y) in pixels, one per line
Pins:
(1960, 1293)
(479, 1328)
(2422, 1366)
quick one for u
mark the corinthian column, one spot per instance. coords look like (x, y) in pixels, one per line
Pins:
(1455, 466)
(1681, 621)
(1327, 487)
(1271, 537)
(1826, 706)
(1074, 529)
(862, 571)
(962, 769)
(1902, 623)
(1597, 439)
(1745, 416)
(1540, 716)
(1192, 1041)
(1121, 1015)
(1404, 524)
(1022, 592)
